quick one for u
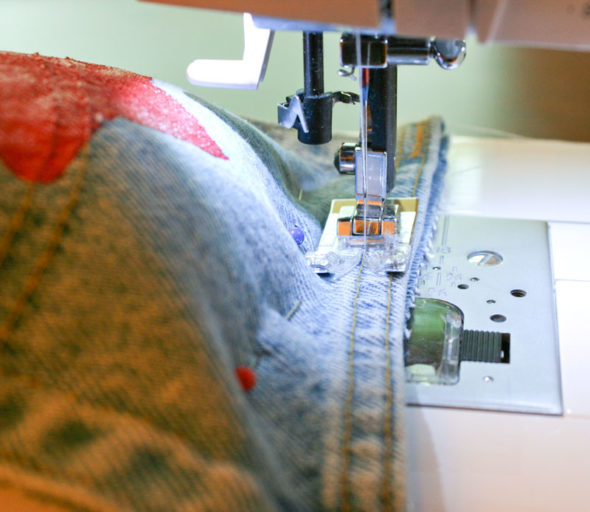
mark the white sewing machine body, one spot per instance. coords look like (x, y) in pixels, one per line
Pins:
(464, 460)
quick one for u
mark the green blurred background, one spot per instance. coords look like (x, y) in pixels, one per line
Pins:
(527, 92)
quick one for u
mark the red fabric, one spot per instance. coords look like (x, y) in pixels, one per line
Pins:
(50, 107)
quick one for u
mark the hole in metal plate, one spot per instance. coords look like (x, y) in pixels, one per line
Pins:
(485, 258)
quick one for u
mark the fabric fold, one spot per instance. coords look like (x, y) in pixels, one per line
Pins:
(169, 269)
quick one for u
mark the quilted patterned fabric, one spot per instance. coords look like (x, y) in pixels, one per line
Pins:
(141, 271)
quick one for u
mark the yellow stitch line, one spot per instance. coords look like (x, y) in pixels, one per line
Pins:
(418, 144)
(386, 490)
(424, 147)
(16, 222)
(48, 252)
(293, 310)
(400, 147)
(346, 438)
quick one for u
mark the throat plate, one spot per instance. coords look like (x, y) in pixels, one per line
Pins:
(498, 272)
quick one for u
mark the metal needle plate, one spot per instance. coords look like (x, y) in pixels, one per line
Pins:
(498, 272)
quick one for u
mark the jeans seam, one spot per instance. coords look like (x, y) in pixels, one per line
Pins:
(418, 142)
(386, 490)
(424, 135)
(345, 490)
(34, 279)
(16, 222)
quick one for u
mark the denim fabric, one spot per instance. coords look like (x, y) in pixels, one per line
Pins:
(117, 381)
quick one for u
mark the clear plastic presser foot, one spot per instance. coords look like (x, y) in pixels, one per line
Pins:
(343, 244)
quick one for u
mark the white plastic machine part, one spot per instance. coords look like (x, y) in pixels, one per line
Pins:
(469, 460)
(246, 73)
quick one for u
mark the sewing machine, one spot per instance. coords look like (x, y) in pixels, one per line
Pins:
(497, 416)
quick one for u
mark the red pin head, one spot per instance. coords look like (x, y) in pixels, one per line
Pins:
(246, 376)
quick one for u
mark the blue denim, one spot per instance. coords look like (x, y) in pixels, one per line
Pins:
(176, 268)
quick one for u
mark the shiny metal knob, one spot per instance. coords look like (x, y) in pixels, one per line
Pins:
(448, 53)
(345, 158)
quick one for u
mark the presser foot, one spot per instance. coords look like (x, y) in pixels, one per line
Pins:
(381, 233)
(371, 218)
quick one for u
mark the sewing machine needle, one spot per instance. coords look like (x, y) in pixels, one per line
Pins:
(364, 89)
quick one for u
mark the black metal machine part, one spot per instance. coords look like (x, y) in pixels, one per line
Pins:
(316, 104)
(382, 116)
(310, 109)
